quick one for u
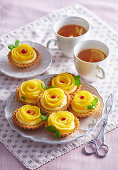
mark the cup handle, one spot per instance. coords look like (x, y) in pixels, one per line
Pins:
(54, 42)
(101, 73)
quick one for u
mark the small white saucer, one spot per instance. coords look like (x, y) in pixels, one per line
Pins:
(42, 65)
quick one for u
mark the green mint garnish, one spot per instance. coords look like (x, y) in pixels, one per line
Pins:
(11, 46)
(77, 80)
(43, 112)
(51, 129)
(90, 107)
(93, 104)
(17, 43)
(50, 87)
(43, 86)
(23, 98)
(44, 118)
(54, 130)
(57, 134)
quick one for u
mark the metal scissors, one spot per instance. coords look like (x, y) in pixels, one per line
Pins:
(102, 149)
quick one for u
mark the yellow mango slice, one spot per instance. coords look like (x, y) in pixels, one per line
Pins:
(18, 56)
(62, 120)
(53, 99)
(81, 100)
(31, 90)
(64, 81)
(29, 115)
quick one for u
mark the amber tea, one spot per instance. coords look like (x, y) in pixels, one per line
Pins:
(71, 31)
(91, 55)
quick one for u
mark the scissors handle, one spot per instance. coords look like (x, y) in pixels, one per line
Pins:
(90, 147)
(102, 150)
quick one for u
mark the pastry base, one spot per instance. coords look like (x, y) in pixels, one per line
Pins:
(21, 101)
(49, 112)
(69, 133)
(73, 93)
(26, 127)
(24, 65)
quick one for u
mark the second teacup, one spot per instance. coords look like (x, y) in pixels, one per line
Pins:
(66, 44)
(88, 69)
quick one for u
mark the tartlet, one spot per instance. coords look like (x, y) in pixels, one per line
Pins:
(29, 91)
(23, 56)
(53, 100)
(84, 104)
(28, 117)
(64, 122)
(66, 81)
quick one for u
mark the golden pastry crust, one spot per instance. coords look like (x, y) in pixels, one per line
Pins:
(24, 65)
(82, 115)
(26, 127)
(49, 112)
(77, 123)
(21, 101)
(73, 93)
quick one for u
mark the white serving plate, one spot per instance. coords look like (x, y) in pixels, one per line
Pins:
(41, 135)
(42, 65)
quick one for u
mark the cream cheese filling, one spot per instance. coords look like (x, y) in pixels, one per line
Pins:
(72, 90)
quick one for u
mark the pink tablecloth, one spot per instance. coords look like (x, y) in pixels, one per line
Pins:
(14, 14)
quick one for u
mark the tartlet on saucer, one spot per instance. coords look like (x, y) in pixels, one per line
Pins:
(28, 92)
(66, 81)
(28, 117)
(84, 104)
(62, 123)
(23, 56)
(53, 100)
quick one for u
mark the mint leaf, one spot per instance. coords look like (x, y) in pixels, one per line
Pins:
(77, 77)
(57, 134)
(17, 43)
(50, 87)
(90, 107)
(23, 98)
(44, 118)
(77, 80)
(51, 129)
(43, 86)
(54, 130)
(94, 102)
(43, 112)
(11, 47)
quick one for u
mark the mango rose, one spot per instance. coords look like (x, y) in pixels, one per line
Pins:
(53, 99)
(28, 117)
(64, 81)
(29, 91)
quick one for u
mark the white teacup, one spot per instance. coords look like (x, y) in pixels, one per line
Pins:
(66, 44)
(90, 71)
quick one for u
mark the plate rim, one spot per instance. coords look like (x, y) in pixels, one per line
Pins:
(55, 142)
(24, 77)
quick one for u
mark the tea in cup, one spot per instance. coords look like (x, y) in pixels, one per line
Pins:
(68, 32)
(89, 56)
